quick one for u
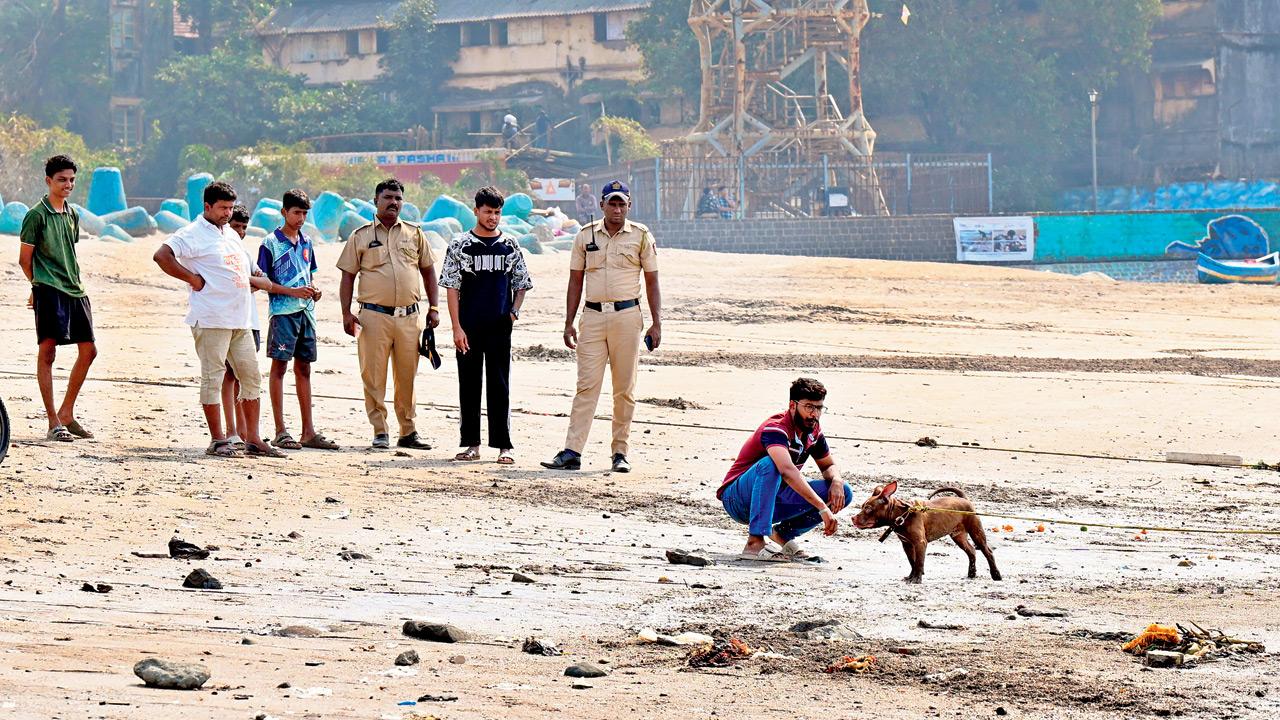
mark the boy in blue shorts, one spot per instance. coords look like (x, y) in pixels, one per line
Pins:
(288, 259)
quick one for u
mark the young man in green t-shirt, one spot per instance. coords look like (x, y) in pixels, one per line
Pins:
(50, 232)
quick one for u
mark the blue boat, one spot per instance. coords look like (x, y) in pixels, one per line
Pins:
(1264, 270)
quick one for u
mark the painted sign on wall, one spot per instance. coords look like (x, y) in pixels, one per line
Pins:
(995, 239)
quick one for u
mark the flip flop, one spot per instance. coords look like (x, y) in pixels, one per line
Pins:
(467, 455)
(320, 442)
(285, 441)
(505, 458)
(222, 449)
(765, 554)
(59, 433)
(75, 428)
(795, 551)
(270, 452)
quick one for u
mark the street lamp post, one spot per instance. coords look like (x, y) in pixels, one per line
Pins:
(1093, 123)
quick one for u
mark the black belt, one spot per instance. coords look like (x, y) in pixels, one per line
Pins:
(620, 305)
(392, 311)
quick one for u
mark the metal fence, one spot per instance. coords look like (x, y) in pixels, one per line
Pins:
(900, 184)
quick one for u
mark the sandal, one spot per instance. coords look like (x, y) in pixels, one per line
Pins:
(223, 449)
(319, 442)
(285, 441)
(765, 554)
(270, 452)
(468, 455)
(506, 458)
(795, 551)
(75, 428)
(59, 433)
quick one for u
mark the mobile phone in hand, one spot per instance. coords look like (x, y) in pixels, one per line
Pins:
(648, 342)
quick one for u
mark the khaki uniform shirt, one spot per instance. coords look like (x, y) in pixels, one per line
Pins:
(612, 273)
(388, 262)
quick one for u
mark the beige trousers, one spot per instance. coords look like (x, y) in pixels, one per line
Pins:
(613, 338)
(383, 338)
(218, 347)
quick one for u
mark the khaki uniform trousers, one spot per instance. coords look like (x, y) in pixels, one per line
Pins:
(384, 337)
(613, 338)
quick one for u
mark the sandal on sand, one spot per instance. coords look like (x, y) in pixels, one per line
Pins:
(765, 554)
(319, 442)
(59, 433)
(270, 452)
(467, 455)
(506, 458)
(795, 551)
(75, 428)
(222, 448)
(285, 441)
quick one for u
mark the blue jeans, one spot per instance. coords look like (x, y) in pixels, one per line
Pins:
(761, 500)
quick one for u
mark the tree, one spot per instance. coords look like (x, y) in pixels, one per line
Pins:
(629, 138)
(239, 17)
(419, 60)
(24, 147)
(54, 64)
(668, 47)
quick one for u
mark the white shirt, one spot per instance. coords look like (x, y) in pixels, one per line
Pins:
(217, 255)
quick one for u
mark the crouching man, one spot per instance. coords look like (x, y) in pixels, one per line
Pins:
(765, 490)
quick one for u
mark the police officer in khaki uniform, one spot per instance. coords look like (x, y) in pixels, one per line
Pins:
(609, 256)
(393, 261)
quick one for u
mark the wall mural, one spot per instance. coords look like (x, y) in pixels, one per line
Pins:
(1235, 249)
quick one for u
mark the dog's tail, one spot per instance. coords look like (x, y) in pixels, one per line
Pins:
(955, 491)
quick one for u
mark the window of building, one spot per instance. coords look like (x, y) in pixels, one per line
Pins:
(353, 43)
(610, 26)
(123, 30)
(126, 125)
(475, 34)
(381, 41)
(525, 31)
(499, 33)
(1185, 82)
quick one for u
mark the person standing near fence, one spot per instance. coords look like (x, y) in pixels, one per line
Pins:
(486, 278)
(609, 257)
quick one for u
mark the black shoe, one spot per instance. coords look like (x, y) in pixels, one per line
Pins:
(413, 442)
(620, 463)
(381, 441)
(565, 460)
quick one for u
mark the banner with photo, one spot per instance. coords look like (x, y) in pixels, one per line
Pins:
(553, 189)
(995, 239)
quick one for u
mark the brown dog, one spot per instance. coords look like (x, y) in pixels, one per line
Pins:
(916, 528)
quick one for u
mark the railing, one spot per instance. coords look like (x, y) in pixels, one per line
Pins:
(911, 184)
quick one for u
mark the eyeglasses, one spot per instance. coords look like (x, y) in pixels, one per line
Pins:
(811, 408)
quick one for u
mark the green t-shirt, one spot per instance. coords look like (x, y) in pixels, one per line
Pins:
(54, 236)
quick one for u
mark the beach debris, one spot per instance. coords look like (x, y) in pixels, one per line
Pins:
(695, 558)
(438, 698)
(721, 653)
(581, 686)
(830, 629)
(331, 500)
(649, 635)
(927, 441)
(946, 676)
(1188, 458)
(1179, 646)
(312, 692)
(199, 579)
(1104, 635)
(299, 631)
(585, 670)
(170, 675)
(398, 672)
(1025, 611)
(433, 632)
(851, 664)
(353, 555)
(676, 403)
(180, 549)
(98, 588)
(458, 660)
(535, 646)
(1262, 465)
(408, 657)
(927, 625)
(519, 577)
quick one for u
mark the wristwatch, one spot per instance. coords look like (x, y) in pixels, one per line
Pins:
(515, 313)
(433, 307)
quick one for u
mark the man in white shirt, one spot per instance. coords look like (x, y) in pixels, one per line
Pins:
(208, 256)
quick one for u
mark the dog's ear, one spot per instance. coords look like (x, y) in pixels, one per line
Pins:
(879, 489)
(889, 489)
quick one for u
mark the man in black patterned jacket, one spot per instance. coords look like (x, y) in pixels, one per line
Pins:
(486, 278)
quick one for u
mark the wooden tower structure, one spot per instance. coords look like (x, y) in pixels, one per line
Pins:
(767, 102)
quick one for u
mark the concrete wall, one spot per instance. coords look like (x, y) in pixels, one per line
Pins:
(1084, 237)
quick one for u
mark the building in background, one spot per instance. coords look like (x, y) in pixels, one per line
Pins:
(143, 37)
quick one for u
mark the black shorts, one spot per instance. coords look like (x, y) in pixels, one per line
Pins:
(59, 317)
(292, 337)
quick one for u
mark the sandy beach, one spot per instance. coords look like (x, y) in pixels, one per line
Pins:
(1050, 396)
